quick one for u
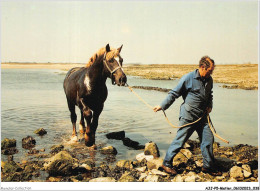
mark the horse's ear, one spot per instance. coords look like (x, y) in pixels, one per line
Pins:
(107, 48)
(119, 49)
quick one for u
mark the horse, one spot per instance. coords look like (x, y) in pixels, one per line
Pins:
(86, 88)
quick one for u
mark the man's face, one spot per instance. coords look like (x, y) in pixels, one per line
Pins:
(205, 73)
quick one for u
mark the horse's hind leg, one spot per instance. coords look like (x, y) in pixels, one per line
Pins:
(90, 134)
(73, 118)
(88, 116)
(82, 127)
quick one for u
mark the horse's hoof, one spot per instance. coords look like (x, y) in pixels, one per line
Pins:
(74, 138)
(93, 147)
(81, 129)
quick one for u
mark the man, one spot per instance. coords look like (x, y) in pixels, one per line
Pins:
(196, 90)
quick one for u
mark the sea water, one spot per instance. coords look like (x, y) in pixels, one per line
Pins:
(34, 98)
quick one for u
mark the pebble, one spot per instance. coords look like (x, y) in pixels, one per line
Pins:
(158, 172)
(103, 179)
(142, 156)
(141, 169)
(237, 173)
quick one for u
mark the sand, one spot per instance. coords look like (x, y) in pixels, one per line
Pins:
(243, 76)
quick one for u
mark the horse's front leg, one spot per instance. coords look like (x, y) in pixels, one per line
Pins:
(90, 133)
(82, 127)
(73, 118)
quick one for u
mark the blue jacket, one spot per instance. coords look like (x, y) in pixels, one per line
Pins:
(197, 96)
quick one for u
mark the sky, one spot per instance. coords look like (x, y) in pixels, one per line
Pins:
(152, 32)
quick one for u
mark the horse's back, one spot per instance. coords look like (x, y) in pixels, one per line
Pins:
(73, 71)
(70, 80)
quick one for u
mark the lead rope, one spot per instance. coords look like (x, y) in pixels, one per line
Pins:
(208, 117)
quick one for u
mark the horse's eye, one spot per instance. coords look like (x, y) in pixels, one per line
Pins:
(111, 60)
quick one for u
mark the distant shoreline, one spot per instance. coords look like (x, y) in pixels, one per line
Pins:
(29, 65)
(234, 76)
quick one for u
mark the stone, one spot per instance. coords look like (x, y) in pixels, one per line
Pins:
(133, 144)
(246, 174)
(28, 142)
(186, 146)
(228, 153)
(55, 179)
(87, 167)
(89, 162)
(40, 132)
(220, 178)
(246, 167)
(253, 164)
(224, 164)
(120, 135)
(152, 178)
(141, 169)
(178, 178)
(125, 164)
(29, 169)
(151, 149)
(232, 180)
(108, 150)
(126, 178)
(10, 158)
(192, 177)
(236, 172)
(56, 148)
(61, 164)
(79, 177)
(199, 163)
(33, 151)
(216, 145)
(142, 156)
(8, 143)
(255, 173)
(182, 157)
(10, 167)
(158, 172)
(225, 174)
(142, 177)
(154, 163)
(9, 151)
(2, 164)
(103, 179)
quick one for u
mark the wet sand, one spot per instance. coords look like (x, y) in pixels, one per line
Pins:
(242, 76)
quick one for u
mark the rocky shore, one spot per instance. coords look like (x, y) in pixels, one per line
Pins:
(233, 76)
(237, 163)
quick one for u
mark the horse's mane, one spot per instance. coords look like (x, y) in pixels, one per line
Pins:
(112, 53)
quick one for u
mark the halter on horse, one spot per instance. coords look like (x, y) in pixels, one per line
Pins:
(86, 88)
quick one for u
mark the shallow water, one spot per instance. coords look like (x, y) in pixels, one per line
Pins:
(34, 98)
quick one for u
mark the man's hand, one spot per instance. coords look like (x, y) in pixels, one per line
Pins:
(157, 108)
(208, 109)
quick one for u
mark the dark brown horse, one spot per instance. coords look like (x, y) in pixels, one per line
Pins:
(86, 88)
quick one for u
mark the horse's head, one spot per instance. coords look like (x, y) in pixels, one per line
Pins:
(113, 63)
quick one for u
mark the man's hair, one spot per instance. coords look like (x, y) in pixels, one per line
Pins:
(205, 61)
